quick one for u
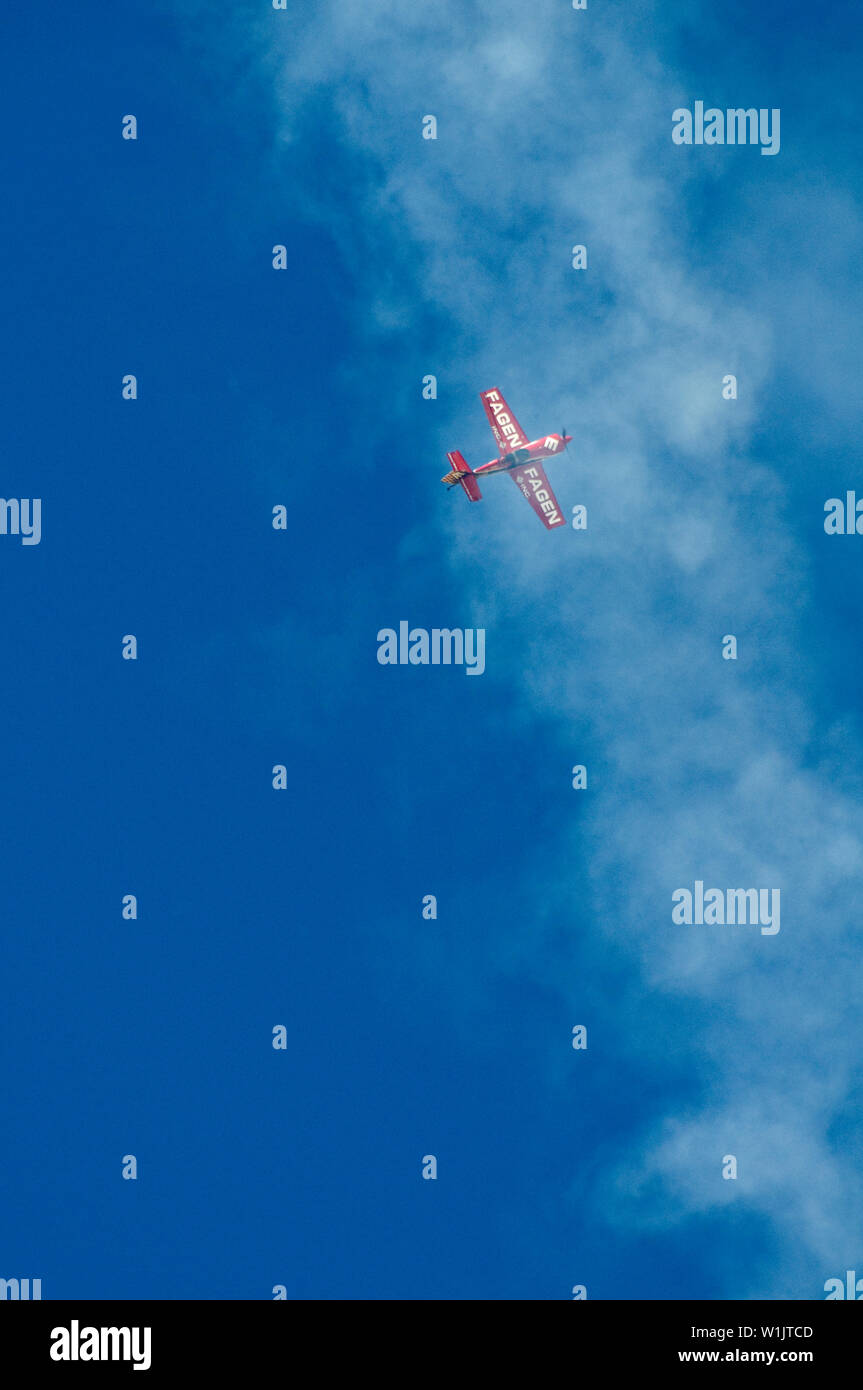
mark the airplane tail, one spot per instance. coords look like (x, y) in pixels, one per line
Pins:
(464, 474)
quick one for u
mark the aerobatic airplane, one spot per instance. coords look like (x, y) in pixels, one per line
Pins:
(521, 460)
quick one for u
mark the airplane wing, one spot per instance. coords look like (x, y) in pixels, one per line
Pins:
(531, 480)
(507, 431)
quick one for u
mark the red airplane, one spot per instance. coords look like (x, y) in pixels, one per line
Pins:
(518, 458)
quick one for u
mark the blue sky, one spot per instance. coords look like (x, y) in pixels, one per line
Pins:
(257, 647)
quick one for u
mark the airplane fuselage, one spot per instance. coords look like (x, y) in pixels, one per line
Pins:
(547, 447)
